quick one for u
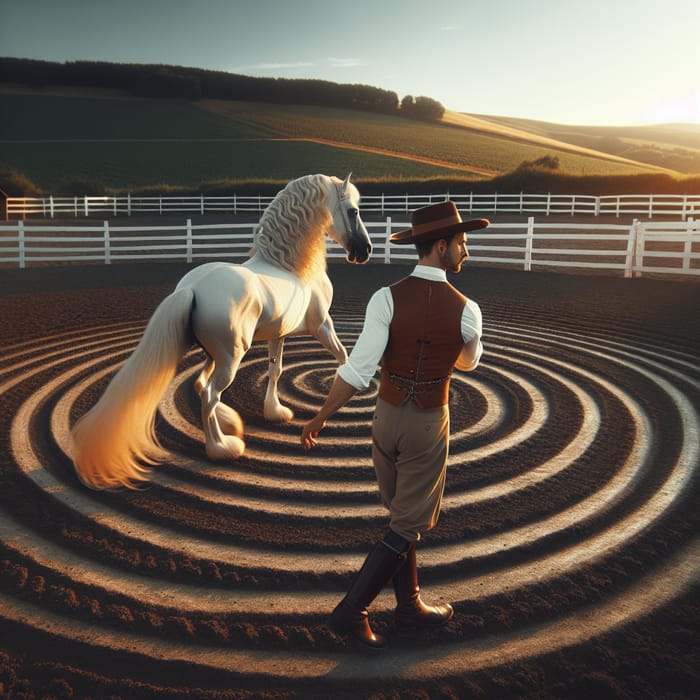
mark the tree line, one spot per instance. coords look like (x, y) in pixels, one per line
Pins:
(162, 81)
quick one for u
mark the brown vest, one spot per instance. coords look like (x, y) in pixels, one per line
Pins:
(425, 339)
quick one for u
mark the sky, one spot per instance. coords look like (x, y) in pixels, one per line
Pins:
(598, 62)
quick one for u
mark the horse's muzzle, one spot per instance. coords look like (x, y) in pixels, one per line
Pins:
(359, 248)
(359, 254)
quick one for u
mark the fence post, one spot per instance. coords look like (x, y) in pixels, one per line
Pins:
(471, 202)
(20, 241)
(685, 206)
(75, 206)
(521, 201)
(108, 252)
(573, 204)
(189, 241)
(688, 244)
(549, 202)
(128, 203)
(638, 247)
(651, 206)
(51, 207)
(85, 205)
(631, 248)
(387, 243)
(235, 203)
(201, 204)
(597, 206)
(529, 238)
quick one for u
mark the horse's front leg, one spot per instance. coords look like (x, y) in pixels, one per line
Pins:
(326, 335)
(272, 408)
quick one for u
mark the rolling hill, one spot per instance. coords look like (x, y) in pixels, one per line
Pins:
(62, 135)
(672, 146)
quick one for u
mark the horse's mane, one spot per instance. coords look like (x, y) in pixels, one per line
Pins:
(291, 233)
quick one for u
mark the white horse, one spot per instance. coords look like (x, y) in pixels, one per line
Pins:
(281, 290)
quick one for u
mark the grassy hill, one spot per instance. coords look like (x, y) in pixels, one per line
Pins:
(671, 146)
(68, 138)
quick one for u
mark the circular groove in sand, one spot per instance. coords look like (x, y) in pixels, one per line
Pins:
(69, 365)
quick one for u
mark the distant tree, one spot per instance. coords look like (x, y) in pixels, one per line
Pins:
(544, 163)
(148, 80)
(27, 71)
(161, 81)
(408, 104)
(423, 108)
(429, 109)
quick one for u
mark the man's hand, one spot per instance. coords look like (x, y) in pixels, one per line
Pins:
(341, 392)
(310, 432)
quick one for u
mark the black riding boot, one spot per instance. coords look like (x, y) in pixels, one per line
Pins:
(350, 616)
(411, 611)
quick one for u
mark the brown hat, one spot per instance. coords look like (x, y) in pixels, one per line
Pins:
(434, 222)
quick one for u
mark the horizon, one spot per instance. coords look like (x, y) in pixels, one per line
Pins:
(685, 125)
(623, 63)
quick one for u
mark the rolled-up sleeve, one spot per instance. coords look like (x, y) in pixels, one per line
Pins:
(365, 356)
(471, 333)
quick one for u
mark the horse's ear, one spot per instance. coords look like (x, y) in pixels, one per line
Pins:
(346, 182)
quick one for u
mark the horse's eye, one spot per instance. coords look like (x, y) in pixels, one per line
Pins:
(353, 212)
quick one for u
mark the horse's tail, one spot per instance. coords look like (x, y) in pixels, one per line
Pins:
(111, 443)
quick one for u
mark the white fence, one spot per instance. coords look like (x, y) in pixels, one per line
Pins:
(670, 248)
(648, 206)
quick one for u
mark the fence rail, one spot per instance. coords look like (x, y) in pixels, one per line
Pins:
(648, 206)
(671, 248)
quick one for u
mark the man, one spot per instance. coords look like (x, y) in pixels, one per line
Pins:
(419, 330)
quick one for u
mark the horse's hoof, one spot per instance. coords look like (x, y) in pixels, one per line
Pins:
(281, 414)
(230, 421)
(230, 448)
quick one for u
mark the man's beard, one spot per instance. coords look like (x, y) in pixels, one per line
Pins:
(450, 265)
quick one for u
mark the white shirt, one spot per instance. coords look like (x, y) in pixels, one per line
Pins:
(369, 348)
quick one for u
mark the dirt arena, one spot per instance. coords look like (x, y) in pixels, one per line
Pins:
(568, 542)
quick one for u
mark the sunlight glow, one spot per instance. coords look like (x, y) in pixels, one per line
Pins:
(681, 107)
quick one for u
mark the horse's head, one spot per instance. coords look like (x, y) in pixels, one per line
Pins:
(347, 229)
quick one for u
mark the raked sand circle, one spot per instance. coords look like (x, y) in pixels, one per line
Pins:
(572, 450)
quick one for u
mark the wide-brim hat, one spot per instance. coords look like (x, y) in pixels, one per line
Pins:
(434, 222)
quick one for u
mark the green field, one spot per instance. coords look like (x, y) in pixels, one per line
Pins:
(189, 163)
(129, 143)
(132, 143)
(26, 116)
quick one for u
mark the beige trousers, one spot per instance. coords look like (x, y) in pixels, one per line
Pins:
(409, 451)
